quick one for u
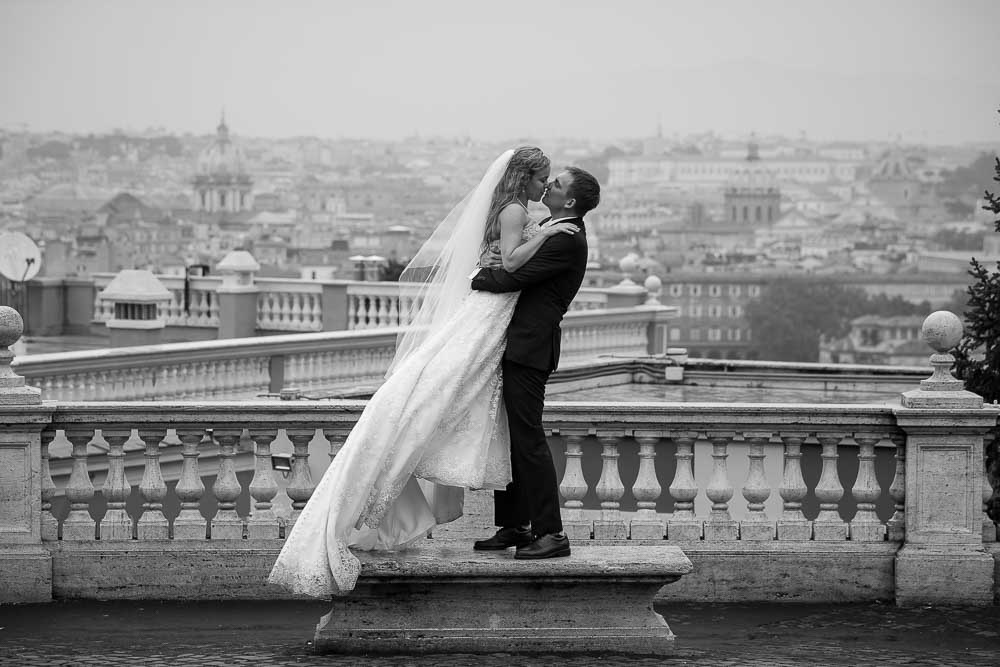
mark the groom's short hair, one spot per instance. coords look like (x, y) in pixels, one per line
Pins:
(584, 189)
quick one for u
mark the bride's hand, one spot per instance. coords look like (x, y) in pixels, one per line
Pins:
(491, 259)
(564, 227)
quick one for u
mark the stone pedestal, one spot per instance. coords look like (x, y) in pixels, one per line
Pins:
(237, 311)
(943, 560)
(450, 600)
(25, 565)
(237, 295)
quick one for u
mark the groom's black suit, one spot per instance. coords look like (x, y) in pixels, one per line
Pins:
(548, 283)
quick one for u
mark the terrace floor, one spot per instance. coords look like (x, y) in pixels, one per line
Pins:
(280, 633)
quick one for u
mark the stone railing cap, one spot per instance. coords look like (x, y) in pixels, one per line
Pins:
(238, 261)
(137, 285)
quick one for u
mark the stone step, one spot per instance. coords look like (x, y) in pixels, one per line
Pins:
(445, 597)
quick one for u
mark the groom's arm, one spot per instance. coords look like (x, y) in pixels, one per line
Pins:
(551, 259)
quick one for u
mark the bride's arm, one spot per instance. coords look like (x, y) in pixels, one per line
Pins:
(514, 253)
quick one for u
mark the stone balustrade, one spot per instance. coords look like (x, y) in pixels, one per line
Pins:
(801, 502)
(293, 305)
(247, 367)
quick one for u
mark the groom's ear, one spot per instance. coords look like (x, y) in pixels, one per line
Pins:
(570, 203)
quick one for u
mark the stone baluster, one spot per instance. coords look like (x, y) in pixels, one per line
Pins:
(336, 438)
(896, 526)
(227, 524)
(647, 490)
(263, 525)
(190, 524)
(352, 311)
(300, 485)
(683, 525)
(865, 526)
(610, 525)
(573, 488)
(989, 528)
(756, 490)
(78, 525)
(828, 525)
(793, 524)
(152, 525)
(116, 524)
(720, 525)
(394, 311)
(50, 525)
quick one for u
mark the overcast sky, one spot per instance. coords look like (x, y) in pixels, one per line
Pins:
(834, 69)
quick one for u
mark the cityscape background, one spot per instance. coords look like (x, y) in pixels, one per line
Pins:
(753, 155)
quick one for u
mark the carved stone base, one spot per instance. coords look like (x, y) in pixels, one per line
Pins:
(26, 573)
(684, 531)
(227, 526)
(446, 600)
(756, 531)
(829, 531)
(646, 530)
(610, 530)
(720, 531)
(78, 526)
(578, 529)
(794, 531)
(153, 526)
(867, 531)
(928, 574)
(116, 525)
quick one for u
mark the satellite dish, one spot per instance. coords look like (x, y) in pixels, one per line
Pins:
(20, 258)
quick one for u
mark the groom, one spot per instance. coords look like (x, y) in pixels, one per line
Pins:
(527, 512)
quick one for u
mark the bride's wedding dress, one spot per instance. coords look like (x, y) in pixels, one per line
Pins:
(439, 417)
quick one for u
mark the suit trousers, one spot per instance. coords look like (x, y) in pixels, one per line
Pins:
(533, 495)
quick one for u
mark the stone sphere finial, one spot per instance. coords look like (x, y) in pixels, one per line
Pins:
(942, 330)
(628, 263)
(652, 284)
(11, 326)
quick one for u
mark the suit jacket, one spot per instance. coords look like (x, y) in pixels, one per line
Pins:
(548, 283)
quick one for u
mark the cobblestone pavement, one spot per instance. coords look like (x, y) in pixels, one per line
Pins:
(278, 633)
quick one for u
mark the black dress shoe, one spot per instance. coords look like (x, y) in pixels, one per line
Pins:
(546, 546)
(504, 539)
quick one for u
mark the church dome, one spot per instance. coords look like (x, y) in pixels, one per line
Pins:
(752, 174)
(222, 157)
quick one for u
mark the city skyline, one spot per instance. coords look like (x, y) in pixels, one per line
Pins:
(852, 71)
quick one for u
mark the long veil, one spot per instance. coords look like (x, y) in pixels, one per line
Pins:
(437, 278)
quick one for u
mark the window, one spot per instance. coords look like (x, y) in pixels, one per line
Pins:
(676, 289)
(695, 290)
(753, 291)
(734, 290)
(735, 311)
(715, 311)
(695, 333)
(715, 290)
(696, 310)
(675, 333)
(736, 334)
(715, 334)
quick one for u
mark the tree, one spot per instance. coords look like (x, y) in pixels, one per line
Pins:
(794, 312)
(977, 357)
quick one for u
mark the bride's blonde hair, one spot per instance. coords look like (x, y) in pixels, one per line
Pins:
(526, 161)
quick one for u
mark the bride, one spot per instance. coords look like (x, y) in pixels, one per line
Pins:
(439, 415)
